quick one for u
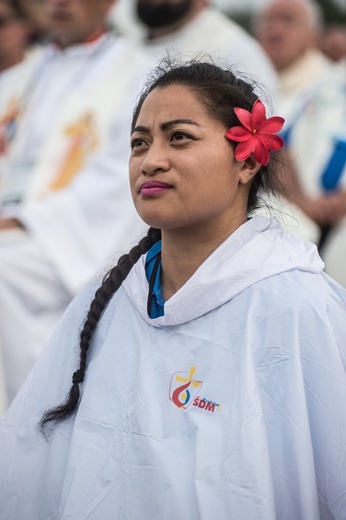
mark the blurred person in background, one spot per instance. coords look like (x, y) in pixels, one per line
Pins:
(15, 31)
(289, 33)
(189, 27)
(35, 12)
(333, 44)
(61, 194)
(311, 97)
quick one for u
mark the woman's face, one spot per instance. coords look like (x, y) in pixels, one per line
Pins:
(183, 174)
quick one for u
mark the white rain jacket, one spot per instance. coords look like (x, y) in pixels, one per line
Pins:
(231, 406)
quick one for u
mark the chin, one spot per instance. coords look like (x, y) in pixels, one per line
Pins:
(150, 218)
(159, 222)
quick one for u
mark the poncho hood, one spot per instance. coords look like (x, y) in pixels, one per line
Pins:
(258, 249)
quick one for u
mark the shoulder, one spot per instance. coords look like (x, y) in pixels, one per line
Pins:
(298, 287)
(299, 308)
(16, 77)
(80, 304)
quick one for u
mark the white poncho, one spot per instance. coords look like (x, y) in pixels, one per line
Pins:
(232, 406)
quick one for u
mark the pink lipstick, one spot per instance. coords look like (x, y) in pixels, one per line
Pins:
(150, 188)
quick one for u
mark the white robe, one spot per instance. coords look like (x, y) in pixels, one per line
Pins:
(88, 222)
(231, 405)
(65, 110)
(300, 78)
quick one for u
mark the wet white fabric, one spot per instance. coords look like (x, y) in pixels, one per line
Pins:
(232, 405)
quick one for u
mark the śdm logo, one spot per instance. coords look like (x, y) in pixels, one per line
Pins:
(183, 391)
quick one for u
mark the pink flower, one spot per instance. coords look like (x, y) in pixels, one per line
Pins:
(257, 135)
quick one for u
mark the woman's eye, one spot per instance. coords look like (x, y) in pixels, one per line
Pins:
(137, 143)
(179, 136)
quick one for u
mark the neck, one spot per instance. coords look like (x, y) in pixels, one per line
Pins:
(184, 252)
(95, 35)
(10, 61)
(63, 43)
(158, 32)
(283, 68)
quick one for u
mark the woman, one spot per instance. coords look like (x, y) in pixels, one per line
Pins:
(211, 374)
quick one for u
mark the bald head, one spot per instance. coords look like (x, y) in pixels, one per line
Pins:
(287, 29)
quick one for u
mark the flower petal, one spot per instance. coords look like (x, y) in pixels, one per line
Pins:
(244, 117)
(238, 133)
(258, 114)
(244, 150)
(271, 125)
(261, 153)
(273, 142)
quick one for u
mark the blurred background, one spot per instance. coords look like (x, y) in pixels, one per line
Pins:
(334, 11)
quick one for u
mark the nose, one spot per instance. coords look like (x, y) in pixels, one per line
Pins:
(155, 160)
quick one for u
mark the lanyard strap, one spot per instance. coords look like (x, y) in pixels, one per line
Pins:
(152, 282)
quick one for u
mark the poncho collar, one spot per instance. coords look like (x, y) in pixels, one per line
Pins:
(256, 250)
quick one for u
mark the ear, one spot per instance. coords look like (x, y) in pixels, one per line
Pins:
(248, 169)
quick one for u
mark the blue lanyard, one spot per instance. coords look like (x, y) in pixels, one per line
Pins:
(155, 302)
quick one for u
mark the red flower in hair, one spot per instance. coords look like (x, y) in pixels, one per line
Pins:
(257, 135)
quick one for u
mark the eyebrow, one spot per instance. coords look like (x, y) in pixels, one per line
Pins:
(167, 125)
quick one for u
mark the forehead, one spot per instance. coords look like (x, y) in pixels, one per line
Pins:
(174, 101)
(292, 10)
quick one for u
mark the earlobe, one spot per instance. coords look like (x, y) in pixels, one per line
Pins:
(248, 169)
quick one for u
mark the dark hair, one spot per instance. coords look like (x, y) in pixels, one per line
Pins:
(220, 91)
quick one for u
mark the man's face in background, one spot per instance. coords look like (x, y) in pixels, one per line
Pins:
(160, 13)
(72, 21)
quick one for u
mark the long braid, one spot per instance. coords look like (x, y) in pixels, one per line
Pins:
(110, 284)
